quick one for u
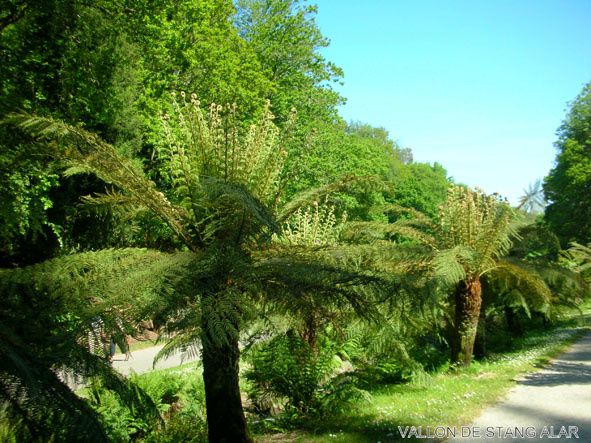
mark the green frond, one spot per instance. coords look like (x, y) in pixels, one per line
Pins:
(307, 198)
(187, 343)
(112, 202)
(238, 212)
(313, 226)
(410, 213)
(86, 151)
(223, 315)
(364, 232)
(415, 231)
(451, 265)
(49, 409)
(300, 283)
(209, 145)
(581, 256)
(522, 284)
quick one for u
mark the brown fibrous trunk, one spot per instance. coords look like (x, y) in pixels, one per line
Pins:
(468, 299)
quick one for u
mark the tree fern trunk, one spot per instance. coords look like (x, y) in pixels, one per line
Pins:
(468, 300)
(225, 416)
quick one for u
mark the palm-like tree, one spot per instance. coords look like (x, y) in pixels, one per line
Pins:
(533, 201)
(48, 314)
(310, 306)
(464, 243)
(223, 206)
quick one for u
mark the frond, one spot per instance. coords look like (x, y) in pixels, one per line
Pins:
(580, 255)
(314, 226)
(237, 210)
(484, 223)
(111, 202)
(522, 284)
(451, 265)
(322, 278)
(187, 343)
(307, 198)
(409, 213)
(210, 145)
(111, 199)
(87, 152)
(49, 409)
(223, 314)
(414, 230)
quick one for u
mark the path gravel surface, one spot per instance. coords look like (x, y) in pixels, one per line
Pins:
(550, 405)
(142, 361)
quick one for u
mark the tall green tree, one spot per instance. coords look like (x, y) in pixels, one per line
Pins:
(222, 207)
(288, 43)
(568, 185)
(73, 60)
(194, 46)
(109, 64)
(418, 186)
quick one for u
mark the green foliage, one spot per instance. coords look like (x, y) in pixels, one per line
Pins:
(225, 188)
(202, 148)
(120, 424)
(580, 255)
(566, 186)
(419, 186)
(465, 244)
(287, 41)
(49, 314)
(471, 232)
(337, 150)
(185, 415)
(179, 397)
(313, 226)
(24, 201)
(536, 241)
(193, 46)
(517, 286)
(109, 63)
(286, 370)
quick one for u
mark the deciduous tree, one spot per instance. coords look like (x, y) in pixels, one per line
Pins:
(568, 185)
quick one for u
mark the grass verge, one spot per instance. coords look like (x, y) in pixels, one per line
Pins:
(444, 399)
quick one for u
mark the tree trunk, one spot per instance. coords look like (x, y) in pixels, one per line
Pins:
(468, 300)
(310, 334)
(225, 416)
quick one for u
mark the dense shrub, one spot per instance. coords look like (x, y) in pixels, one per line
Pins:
(286, 373)
(178, 395)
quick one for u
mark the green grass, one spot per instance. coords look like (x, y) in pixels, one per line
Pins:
(444, 399)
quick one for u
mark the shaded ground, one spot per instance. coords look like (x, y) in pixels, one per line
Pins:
(554, 402)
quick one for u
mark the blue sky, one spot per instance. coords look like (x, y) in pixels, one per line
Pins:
(478, 86)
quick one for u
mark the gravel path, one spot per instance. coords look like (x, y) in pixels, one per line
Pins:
(142, 361)
(550, 405)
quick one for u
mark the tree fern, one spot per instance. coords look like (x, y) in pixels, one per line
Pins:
(224, 204)
(471, 232)
(48, 312)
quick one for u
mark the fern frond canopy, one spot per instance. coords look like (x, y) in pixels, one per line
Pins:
(49, 314)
